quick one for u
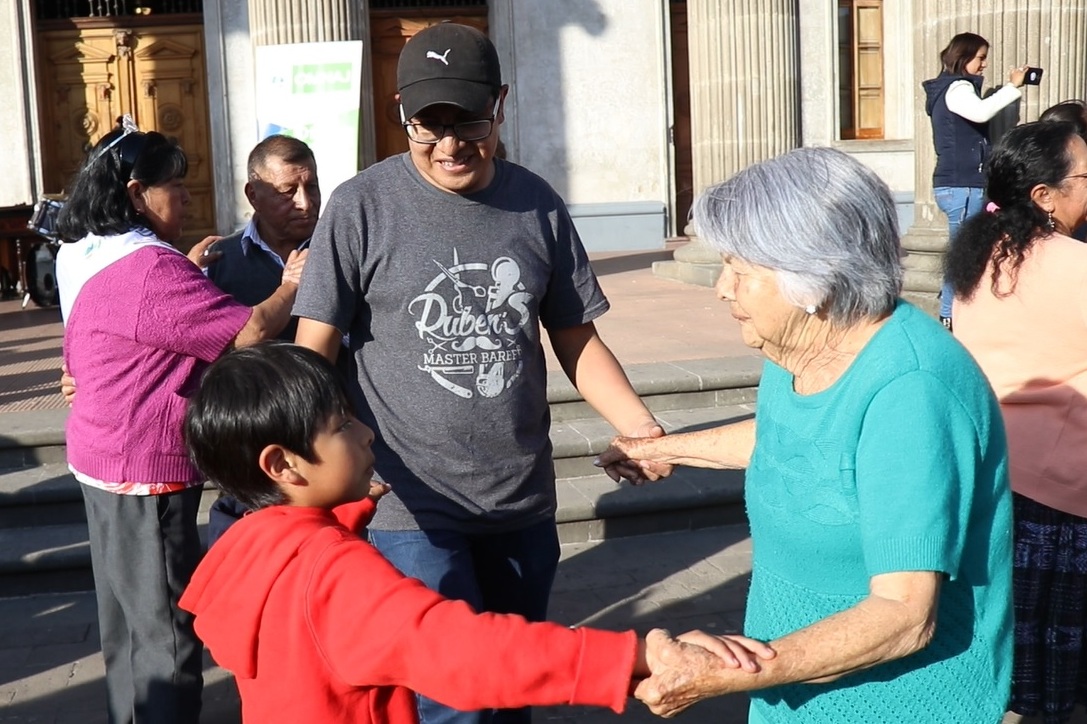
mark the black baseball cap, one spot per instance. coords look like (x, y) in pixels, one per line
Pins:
(448, 63)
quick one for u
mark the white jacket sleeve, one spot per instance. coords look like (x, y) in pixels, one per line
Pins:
(963, 100)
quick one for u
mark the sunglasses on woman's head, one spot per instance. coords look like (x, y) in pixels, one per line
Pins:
(129, 144)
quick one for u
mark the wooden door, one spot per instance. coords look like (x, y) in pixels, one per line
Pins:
(90, 76)
(682, 162)
(389, 31)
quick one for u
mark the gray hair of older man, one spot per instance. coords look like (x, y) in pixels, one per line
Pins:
(824, 222)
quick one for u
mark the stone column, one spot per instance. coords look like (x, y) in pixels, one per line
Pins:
(280, 22)
(744, 102)
(1048, 33)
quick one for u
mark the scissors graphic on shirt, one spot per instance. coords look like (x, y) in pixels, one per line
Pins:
(463, 289)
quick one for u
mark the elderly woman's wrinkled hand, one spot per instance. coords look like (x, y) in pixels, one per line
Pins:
(292, 270)
(683, 672)
(202, 254)
(736, 651)
(626, 459)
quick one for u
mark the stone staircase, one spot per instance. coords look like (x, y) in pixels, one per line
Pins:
(43, 531)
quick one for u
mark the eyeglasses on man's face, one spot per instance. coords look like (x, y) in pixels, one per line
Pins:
(431, 133)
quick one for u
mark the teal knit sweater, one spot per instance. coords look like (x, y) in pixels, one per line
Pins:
(901, 465)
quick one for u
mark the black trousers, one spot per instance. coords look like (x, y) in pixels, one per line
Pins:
(144, 550)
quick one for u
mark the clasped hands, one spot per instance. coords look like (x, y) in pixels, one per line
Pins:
(695, 666)
(621, 461)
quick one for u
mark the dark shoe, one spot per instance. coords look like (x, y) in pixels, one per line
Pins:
(946, 321)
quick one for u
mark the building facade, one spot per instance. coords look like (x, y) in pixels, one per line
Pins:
(628, 107)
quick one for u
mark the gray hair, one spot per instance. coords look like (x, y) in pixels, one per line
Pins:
(823, 221)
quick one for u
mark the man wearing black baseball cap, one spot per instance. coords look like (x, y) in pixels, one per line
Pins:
(449, 78)
(441, 265)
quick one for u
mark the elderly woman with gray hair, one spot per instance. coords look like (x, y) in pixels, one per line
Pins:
(877, 481)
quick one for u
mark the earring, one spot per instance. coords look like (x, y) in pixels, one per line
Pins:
(810, 309)
(1050, 222)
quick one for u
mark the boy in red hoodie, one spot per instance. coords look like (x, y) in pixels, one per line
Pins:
(317, 626)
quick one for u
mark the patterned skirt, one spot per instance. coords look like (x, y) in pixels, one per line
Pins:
(1050, 584)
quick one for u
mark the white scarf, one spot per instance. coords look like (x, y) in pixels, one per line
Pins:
(79, 261)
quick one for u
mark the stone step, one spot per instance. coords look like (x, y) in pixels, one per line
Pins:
(32, 438)
(43, 538)
(43, 532)
(56, 557)
(668, 386)
(48, 494)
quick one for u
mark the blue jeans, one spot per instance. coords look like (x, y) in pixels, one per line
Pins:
(959, 204)
(501, 572)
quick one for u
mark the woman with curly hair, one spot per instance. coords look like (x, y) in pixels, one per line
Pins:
(1020, 309)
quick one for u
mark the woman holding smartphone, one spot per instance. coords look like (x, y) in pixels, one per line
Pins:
(960, 132)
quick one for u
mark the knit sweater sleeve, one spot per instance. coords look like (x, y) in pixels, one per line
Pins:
(916, 462)
(376, 627)
(963, 100)
(184, 312)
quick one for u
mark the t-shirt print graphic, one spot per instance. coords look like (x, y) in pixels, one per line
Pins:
(471, 315)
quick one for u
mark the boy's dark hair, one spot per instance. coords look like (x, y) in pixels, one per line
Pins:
(273, 393)
(98, 201)
(960, 51)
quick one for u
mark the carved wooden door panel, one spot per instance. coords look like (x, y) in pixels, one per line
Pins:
(388, 34)
(171, 97)
(91, 76)
(81, 97)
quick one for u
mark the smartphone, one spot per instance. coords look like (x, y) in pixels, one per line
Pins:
(1033, 76)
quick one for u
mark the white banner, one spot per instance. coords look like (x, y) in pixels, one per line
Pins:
(311, 91)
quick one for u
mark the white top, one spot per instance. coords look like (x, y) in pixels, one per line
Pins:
(963, 100)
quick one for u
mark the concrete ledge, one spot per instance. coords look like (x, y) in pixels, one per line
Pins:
(36, 427)
(576, 442)
(598, 497)
(703, 275)
(44, 548)
(659, 378)
(921, 281)
(40, 484)
(57, 557)
(630, 226)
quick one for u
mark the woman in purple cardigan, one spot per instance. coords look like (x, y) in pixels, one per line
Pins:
(141, 324)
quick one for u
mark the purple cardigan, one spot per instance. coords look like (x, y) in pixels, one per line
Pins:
(140, 334)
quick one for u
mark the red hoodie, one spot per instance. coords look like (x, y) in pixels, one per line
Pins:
(318, 627)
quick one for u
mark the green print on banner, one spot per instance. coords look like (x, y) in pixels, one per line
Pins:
(320, 78)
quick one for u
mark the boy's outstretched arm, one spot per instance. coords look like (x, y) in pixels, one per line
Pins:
(376, 627)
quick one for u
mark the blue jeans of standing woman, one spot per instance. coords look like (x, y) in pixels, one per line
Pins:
(959, 203)
(501, 572)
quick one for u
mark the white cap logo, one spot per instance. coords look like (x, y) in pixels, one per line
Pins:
(435, 56)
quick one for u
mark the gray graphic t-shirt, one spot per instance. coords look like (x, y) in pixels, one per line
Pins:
(442, 297)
